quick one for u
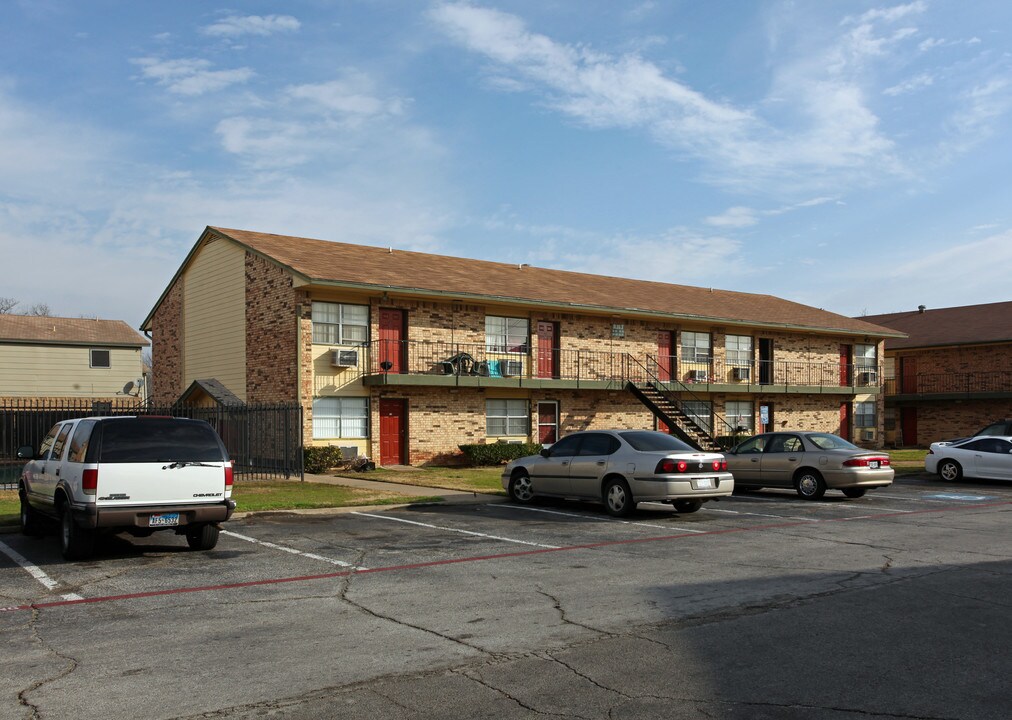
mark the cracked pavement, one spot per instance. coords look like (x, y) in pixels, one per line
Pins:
(901, 616)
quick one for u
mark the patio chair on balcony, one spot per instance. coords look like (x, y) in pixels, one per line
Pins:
(460, 364)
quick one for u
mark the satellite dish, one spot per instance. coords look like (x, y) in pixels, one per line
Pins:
(128, 388)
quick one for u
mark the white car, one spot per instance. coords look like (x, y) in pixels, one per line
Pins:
(986, 458)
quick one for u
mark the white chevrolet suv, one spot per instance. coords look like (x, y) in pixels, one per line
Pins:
(135, 474)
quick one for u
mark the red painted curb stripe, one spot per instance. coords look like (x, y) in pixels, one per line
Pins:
(482, 558)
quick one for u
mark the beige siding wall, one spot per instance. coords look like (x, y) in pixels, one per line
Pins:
(214, 311)
(50, 371)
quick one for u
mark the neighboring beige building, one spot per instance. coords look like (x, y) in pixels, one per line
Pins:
(69, 358)
(951, 375)
(406, 355)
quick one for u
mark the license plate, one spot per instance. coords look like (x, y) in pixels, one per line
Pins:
(704, 484)
(873, 464)
(163, 520)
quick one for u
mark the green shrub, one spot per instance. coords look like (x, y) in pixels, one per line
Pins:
(316, 460)
(498, 453)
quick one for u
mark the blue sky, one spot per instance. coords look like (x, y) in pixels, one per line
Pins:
(849, 155)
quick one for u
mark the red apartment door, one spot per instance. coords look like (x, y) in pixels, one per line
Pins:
(548, 422)
(844, 365)
(391, 340)
(845, 421)
(393, 432)
(665, 354)
(548, 350)
(908, 379)
(908, 425)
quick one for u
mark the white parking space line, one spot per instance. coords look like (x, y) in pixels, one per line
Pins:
(456, 530)
(779, 517)
(35, 571)
(593, 517)
(293, 551)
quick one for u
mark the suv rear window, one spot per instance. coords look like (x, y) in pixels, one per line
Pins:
(158, 440)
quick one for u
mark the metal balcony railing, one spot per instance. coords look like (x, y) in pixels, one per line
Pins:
(480, 360)
(986, 381)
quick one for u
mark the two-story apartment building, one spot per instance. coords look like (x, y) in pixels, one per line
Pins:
(406, 355)
(59, 359)
(952, 373)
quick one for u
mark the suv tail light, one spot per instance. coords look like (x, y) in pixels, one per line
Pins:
(863, 462)
(89, 481)
(228, 475)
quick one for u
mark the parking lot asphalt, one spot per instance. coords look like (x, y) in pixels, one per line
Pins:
(763, 605)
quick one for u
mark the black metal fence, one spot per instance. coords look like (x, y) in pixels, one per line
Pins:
(263, 440)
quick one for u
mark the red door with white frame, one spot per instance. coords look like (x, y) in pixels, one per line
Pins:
(393, 431)
(548, 350)
(665, 355)
(391, 340)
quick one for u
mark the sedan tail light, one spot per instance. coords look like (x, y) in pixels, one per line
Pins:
(720, 465)
(670, 465)
(865, 461)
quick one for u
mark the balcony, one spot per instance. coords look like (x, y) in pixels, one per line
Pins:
(981, 385)
(476, 365)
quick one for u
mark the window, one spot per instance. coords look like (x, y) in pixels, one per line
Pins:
(79, 443)
(340, 417)
(695, 347)
(864, 357)
(47, 443)
(988, 445)
(61, 442)
(506, 417)
(339, 324)
(739, 350)
(99, 359)
(598, 444)
(155, 439)
(699, 412)
(506, 335)
(566, 447)
(784, 444)
(864, 414)
(740, 415)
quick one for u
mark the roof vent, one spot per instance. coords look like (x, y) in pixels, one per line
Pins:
(921, 308)
(521, 266)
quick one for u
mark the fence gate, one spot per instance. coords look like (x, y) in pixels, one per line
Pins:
(263, 440)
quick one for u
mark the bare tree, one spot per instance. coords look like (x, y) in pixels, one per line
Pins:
(40, 309)
(7, 305)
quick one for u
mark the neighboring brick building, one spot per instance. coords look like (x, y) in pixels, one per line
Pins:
(57, 359)
(407, 355)
(951, 375)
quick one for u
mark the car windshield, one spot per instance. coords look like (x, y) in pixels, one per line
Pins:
(830, 442)
(159, 440)
(646, 441)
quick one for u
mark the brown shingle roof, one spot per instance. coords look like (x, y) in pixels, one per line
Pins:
(988, 323)
(68, 331)
(343, 264)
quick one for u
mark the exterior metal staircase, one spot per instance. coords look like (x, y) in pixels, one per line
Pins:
(666, 408)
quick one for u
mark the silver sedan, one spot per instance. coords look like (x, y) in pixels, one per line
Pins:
(621, 468)
(808, 462)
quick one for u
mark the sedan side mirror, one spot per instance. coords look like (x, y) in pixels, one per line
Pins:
(546, 452)
(26, 452)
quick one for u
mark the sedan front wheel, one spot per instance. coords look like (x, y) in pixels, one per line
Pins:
(521, 488)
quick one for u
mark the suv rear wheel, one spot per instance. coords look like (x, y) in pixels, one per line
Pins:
(202, 537)
(76, 542)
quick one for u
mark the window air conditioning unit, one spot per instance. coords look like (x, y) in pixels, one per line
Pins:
(869, 377)
(344, 358)
(867, 434)
(698, 375)
(511, 367)
(741, 373)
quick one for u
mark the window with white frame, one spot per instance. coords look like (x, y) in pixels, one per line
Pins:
(739, 414)
(695, 347)
(340, 417)
(340, 324)
(864, 414)
(864, 357)
(506, 334)
(505, 417)
(739, 350)
(699, 412)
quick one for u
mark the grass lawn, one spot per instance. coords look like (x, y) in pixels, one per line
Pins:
(10, 507)
(908, 456)
(482, 479)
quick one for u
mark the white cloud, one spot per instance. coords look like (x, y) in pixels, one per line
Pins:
(735, 217)
(914, 84)
(190, 76)
(352, 95)
(235, 25)
(889, 14)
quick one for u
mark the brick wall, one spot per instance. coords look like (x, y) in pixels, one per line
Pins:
(272, 328)
(966, 359)
(166, 348)
(944, 420)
